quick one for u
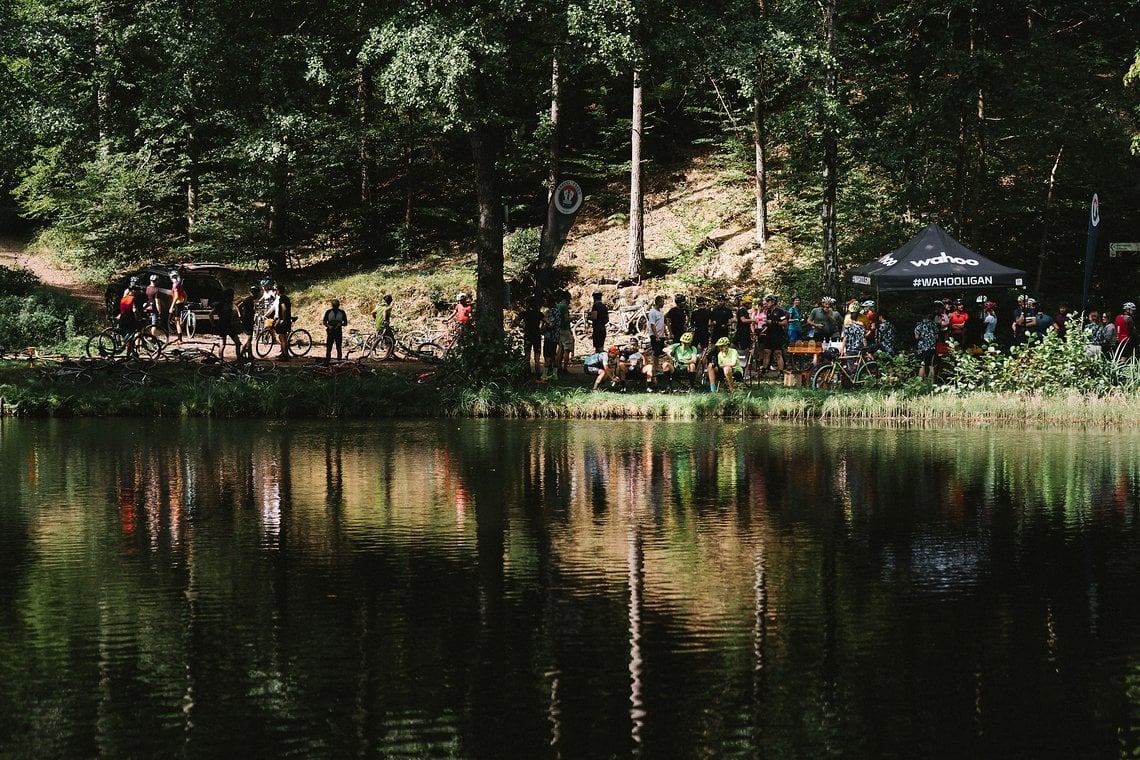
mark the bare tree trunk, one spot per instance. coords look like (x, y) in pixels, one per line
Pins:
(367, 160)
(193, 182)
(830, 157)
(636, 198)
(102, 82)
(979, 178)
(278, 217)
(1045, 219)
(759, 139)
(550, 229)
(488, 239)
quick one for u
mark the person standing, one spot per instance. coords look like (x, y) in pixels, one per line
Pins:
(566, 343)
(775, 337)
(701, 318)
(989, 319)
(334, 321)
(656, 336)
(178, 301)
(1125, 331)
(551, 328)
(247, 314)
(721, 318)
(959, 318)
(382, 316)
(795, 321)
(677, 318)
(282, 321)
(926, 338)
(531, 320)
(153, 304)
(463, 309)
(222, 312)
(598, 317)
(742, 337)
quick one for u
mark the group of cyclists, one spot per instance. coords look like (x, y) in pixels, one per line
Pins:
(721, 341)
(148, 310)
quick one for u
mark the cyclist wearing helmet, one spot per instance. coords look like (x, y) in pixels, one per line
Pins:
(463, 309)
(179, 301)
(677, 318)
(282, 313)
(990, 321)
(723, 361)
(1126, 331)
(685, 358)
(958, 320)
(247, 315)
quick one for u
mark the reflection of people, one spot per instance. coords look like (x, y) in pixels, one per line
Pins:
(334, 321)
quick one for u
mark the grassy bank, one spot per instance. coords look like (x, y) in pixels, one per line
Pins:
(179, 391)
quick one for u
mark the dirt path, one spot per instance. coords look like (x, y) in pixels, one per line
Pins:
(14, 255)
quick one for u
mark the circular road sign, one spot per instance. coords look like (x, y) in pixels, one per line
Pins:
(568, 196)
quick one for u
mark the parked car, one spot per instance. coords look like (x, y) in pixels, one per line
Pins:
(205, 283)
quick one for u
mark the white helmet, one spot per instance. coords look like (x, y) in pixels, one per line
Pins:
(868, 304)
(460, 296)
(1129, 305)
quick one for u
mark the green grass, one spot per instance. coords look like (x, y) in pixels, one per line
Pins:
(180, 392)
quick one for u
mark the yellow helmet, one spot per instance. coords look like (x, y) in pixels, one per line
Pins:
(687, 338)
(722, 341)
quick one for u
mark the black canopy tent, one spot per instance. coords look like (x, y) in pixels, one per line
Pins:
(932, 260)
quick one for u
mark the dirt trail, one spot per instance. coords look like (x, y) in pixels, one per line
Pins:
(14, 255)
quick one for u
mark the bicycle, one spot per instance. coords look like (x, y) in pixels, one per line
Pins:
(836, 374)
(183, 315)
(265, 338)
(338, 368)
(112, 342)
(380, 346)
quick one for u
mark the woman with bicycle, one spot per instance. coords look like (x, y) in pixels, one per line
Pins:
(179, 301)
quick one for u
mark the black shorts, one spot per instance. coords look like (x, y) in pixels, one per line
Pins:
(927, 357)
(656, 345)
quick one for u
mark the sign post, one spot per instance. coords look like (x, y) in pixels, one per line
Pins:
(565, 202)
(1090, 250)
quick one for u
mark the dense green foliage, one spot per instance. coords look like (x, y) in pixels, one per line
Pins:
(289, 132)
(31, 315)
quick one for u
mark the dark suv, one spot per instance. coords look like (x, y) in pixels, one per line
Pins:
(204, 282)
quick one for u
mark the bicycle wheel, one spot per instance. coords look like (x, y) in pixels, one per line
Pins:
(189, 324)
(430, 352)
(104, 344)
(868, 373)
(383, 348)
(264, 342)
(356, 342)
(827, 377)
(300, 341)
(149, 346)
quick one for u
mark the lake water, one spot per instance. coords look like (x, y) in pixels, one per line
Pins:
(500, 589)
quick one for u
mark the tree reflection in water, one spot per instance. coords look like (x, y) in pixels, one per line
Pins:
(567, 589)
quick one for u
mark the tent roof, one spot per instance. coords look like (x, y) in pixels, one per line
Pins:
(932, 260)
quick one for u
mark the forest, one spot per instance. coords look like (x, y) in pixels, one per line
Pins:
(278, 134)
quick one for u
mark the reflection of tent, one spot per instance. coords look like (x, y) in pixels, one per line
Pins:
(932, 260)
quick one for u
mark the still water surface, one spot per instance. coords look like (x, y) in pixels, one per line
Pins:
(566, 590)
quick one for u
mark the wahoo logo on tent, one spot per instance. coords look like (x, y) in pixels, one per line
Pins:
(933, 260)
(945, 258)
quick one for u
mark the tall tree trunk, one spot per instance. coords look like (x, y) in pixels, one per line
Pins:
(488, 238)
(830, 157)
(549, 243)
(193, 181)
(979, 178)
(409, 174)
(102, 82)
(636, 198)
(1045, 219)
(278, 218)
(367, 160)
(759, 140)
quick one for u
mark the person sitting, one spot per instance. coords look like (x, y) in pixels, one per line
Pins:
(724, 360)
(631, 365)
(685, 358)
(609, 368)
